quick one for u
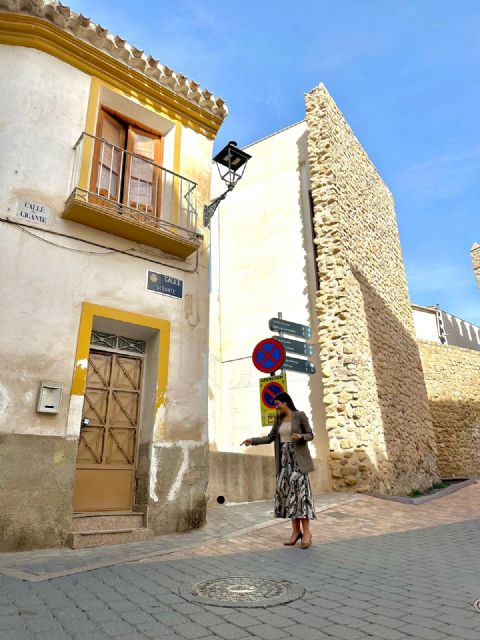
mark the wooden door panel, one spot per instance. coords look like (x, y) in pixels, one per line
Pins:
(143, 176)
(103, 490)
(90, 445)
(95, 406)
(126, 374)
(121, 446)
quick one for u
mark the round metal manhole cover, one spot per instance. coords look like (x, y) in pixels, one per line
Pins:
(242, 591)
(476, 605)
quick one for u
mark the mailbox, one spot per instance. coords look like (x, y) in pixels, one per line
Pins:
(49, 398)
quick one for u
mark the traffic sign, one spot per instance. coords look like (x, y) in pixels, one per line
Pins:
(268, 355)
(292, 328)
(295, 346)
(269, 388)
(296, 364)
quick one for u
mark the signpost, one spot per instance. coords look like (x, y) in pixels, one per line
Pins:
(292, 328)
(295, 346)
(269, 388)
(301, 366)
(268, 355)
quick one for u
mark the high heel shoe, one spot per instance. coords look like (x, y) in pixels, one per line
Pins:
(291, 543)
(305, 545)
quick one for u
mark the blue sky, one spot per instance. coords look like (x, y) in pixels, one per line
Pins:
(405, 73)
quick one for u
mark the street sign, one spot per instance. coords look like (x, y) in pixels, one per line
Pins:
(166, 285)
(269, 388)
(296, 364)
(292, 328)
(268, 355)
(295, 346)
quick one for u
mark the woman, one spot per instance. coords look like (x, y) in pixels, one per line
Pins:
(293, 498)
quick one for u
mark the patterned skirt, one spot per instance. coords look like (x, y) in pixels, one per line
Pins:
(293, 498)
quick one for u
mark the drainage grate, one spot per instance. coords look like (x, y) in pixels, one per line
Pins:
(242, 591)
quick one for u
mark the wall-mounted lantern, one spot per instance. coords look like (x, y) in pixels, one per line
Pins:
(231, 162)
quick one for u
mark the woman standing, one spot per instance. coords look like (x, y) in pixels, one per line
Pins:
(291, 433)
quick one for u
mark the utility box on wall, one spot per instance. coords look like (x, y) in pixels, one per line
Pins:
(49, 397)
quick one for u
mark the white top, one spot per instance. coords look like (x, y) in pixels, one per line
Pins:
(285, 431)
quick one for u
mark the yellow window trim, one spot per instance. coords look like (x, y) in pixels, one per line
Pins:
(89, 310)
(32, 32)
(91, 128)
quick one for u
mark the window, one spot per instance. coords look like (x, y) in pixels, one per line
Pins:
(126, 165)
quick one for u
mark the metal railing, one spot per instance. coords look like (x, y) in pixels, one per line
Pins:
(133, 186)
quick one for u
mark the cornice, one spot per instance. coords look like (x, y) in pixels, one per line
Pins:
(91, 49)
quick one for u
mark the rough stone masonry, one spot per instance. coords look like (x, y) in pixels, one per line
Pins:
(378, 416)
(453, 385)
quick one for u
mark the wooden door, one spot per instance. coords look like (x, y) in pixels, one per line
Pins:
(143, 177)
(108, 159)
(107, 448)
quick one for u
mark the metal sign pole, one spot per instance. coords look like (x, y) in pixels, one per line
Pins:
(280, 316)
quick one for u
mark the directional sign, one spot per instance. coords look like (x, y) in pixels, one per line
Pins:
(296, 364)
(292, 328)
(269, 388)
(268, 355)
(295, 346)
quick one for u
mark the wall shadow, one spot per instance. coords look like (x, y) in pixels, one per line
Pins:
(409, 440)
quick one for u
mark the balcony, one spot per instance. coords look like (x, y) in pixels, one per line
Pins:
(128, 195)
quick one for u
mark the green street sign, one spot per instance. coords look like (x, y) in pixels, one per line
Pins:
(295, 346)
(292, 328)
(296, 364)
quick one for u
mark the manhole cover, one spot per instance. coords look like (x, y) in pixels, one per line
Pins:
(242, 591)
(476, 605)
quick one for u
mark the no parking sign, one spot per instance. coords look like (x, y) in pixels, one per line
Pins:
(269, 388)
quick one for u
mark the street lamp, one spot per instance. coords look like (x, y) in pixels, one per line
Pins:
(231, 162)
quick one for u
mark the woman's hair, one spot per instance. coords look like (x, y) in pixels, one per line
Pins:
(284, 397)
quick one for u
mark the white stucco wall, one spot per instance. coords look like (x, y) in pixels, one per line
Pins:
(262, 263)
(425, 322)
(44, 285)
(42, 119)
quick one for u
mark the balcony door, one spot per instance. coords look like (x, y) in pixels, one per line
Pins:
(126, 167)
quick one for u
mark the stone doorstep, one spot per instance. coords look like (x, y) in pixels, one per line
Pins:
(422, 499)
(100, 538)
(86, 522)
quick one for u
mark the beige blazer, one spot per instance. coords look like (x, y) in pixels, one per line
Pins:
(300, 425)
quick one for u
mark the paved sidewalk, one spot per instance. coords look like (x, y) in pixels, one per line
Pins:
(378, 569)
(223, 521)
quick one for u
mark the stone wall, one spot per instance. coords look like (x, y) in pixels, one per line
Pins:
(475, 253)
(452, 376)
(378, 417)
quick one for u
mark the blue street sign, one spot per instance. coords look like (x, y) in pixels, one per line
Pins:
(166, 285)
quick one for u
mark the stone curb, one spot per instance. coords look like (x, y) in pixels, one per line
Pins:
(421, 499)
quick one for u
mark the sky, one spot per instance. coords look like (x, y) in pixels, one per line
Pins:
(405, 74)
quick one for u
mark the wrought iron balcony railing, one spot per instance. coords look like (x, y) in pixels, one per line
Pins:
(114, 181)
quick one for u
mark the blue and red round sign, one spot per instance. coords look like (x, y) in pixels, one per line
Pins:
(270, 391)
(269, 355)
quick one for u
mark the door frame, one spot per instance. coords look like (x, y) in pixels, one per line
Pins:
(158, 367)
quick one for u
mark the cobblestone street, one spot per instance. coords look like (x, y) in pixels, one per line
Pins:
(378, 569)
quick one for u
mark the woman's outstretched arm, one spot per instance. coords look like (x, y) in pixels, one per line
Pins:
(262, 439)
